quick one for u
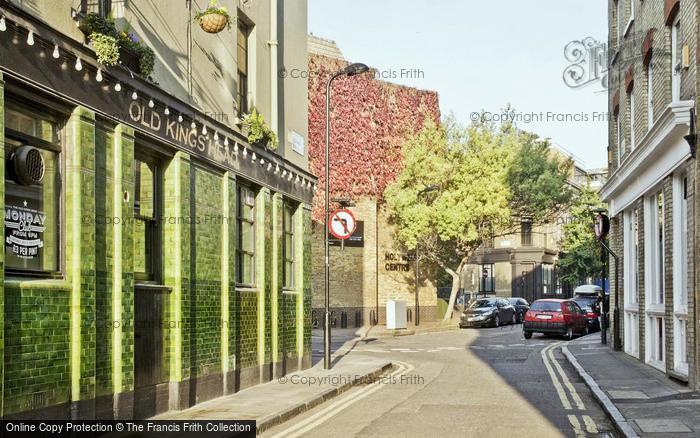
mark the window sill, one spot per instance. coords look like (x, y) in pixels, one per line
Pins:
(628, 27)
(656, 310)
(247, 289)
(658, 364)
(38, 283)
(614, 58)
(680, 372)
(152, 287)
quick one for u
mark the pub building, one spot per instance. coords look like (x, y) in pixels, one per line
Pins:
(154, 258)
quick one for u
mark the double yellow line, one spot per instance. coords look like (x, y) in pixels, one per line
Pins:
(307, 424)
(561, 384)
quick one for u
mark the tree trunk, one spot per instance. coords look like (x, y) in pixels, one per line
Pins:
(453, 294)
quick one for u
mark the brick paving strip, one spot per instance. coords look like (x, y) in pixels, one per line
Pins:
(275, 402)
(639, 400)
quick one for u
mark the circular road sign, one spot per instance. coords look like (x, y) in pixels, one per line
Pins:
(602, 226)
(342, 224)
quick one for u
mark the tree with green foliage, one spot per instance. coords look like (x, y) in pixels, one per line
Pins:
(486, 177)
(538, 179)
(582, 256)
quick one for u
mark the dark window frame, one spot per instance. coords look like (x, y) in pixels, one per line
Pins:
(242, 75)
(526, 232)
(154, 230)
(240, 252)
(288, 212)
(50, 112)
(487, 285)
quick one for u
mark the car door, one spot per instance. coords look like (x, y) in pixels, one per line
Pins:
(505, 309)
(576, 316)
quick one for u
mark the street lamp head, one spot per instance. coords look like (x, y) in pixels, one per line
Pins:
(355, 69)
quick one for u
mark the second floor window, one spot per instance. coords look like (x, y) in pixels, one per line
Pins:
(242, 61)
(101, 7)
(675, 61)
(245, 251)
(620, 142)
(650, 96)
(631, 110)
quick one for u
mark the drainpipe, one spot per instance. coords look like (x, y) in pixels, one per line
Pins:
(273, 67)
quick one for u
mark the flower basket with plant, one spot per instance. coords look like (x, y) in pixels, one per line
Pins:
(113, 46)
(259, 133)
(214, 18)
(133, 46)
(106, 48)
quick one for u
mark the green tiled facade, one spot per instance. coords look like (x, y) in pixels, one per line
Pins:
(69, 344)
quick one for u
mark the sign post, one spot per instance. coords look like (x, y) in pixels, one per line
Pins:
(601, 228)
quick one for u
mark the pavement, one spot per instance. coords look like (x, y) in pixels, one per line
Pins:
(274, 402)
(641, 400)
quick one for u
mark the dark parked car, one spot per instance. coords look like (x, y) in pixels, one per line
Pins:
(589, 305)
(521, 307)
(562, 317)
(488, 312)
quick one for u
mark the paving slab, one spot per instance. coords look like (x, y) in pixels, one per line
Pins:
(641, 400)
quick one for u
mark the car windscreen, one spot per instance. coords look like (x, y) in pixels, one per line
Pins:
(482, 303)
(586, 303)
(546, 306)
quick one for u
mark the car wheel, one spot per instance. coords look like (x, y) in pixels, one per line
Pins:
(570, 333)
(527, 335)
(586, 331)
(497, 320)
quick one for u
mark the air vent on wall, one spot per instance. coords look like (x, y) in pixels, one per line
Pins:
(28, 165)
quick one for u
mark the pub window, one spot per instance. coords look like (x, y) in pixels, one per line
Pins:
(288, 244)
(242, 62)
(245, 254)
(146, 213)
(32, 192)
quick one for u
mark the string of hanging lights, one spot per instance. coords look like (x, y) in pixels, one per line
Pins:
(109, 82)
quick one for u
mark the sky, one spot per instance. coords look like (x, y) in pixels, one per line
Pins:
(483, 56)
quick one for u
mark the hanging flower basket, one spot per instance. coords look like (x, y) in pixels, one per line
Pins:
(213, 23)
(214, 19)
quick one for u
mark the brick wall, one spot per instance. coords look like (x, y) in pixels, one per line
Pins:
(363, 279)
(650, 19)
(649, 15)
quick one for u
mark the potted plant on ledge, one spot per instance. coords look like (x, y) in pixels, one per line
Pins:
(214, 19)
(259, 134)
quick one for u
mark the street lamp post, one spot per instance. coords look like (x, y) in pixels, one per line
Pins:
(350, 70)
(431, 188)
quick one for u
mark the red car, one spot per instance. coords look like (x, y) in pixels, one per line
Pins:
(562, 317)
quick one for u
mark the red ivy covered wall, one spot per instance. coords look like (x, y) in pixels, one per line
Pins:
(370, 119)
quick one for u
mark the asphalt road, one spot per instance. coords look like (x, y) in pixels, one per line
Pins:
(473, 382)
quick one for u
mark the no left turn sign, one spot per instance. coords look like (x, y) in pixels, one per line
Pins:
(342, 224)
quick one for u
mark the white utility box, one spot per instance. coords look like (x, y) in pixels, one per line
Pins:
(395, 314)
